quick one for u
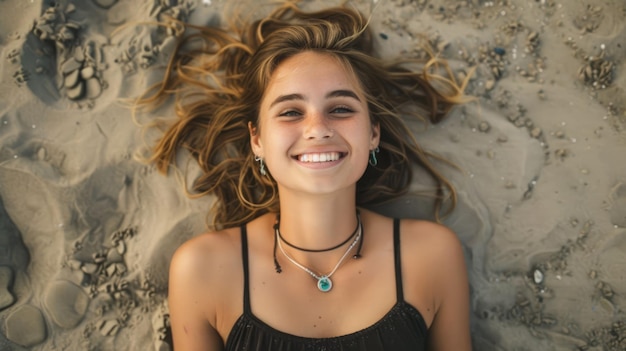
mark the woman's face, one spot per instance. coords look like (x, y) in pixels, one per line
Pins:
(315, 133)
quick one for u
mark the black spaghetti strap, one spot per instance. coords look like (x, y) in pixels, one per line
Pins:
(397, 260)
(246, 275)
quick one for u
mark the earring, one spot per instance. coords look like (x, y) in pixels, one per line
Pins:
(262, 169)
(373, 160)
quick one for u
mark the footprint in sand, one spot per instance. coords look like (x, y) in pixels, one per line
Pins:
(63, 68)
(26, 326)
(66, 303)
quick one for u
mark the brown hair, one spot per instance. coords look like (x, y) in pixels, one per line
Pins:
(218, 78)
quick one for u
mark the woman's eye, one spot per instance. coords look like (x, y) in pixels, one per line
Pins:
(290, 113)
(341, 109)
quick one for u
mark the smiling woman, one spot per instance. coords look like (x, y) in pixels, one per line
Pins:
(317, 137)
(298, 127)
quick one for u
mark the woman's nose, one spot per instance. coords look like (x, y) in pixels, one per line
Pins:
(317, 126)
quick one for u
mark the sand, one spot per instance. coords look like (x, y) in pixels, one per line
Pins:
(87, 232)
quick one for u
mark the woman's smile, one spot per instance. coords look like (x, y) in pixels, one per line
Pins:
(320, 160)
(319, 157)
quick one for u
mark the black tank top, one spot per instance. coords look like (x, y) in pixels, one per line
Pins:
(402, 328)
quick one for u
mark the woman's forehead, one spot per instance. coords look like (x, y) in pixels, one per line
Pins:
(311, 70)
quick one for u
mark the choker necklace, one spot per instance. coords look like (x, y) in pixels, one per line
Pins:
(280, 236)
(324, 284)
(277, 266)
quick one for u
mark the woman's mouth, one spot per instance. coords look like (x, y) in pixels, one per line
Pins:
(319, 157)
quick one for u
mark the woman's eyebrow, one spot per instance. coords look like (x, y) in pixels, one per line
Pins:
(334, 93)
(344, 93)
(287, 97)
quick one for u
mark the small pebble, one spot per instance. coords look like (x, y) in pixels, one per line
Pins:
(535, 132)
(121, 248)
(560, 153)
(70, 65)
(499, 51)
(484, 126)
(89, 268)
(94, 89)
(41, 153)
(87, 72)
(607, 305)
(114, 256)
(490, 84)
(76, 92)
(538, 276)
(71, 79)
(541, 94)
(79, 55)
(593, 274)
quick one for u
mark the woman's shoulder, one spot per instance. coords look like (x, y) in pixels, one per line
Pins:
(433, 233)
(220, 241)
(436, 269)
(207, 253)
(434, 245)
(202, 279)
(433, 241)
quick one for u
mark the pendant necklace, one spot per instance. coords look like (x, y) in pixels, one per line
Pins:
(324, 284)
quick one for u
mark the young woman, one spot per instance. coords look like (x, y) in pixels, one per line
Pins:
(297, 128)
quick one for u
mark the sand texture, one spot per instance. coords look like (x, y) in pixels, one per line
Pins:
(87, 232)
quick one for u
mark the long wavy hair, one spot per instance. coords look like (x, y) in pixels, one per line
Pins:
(218, 77)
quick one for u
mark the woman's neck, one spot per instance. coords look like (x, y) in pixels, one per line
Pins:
(317, 222)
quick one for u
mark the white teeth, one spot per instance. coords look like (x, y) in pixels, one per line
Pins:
(319, 157)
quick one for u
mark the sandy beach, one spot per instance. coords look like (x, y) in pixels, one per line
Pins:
(87, 231)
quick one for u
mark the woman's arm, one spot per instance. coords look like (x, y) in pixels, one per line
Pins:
(189, 300)
(450, 327)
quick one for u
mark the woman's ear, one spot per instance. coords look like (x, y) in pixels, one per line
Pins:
(255, 140)
(375, 140)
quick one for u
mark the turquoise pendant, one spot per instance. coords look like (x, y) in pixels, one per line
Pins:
(324, 284)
